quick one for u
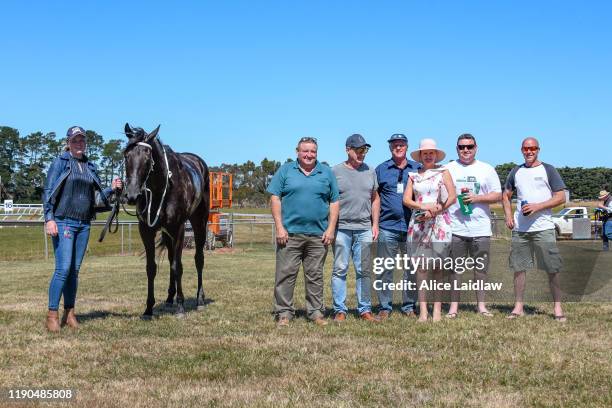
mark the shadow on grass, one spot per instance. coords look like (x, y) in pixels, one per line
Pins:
(507, 309)
(100, 314)
(191, 305)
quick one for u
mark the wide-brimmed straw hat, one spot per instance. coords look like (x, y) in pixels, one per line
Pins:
(428, 144)
(603, 194)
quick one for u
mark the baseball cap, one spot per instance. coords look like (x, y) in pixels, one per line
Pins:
(355, 141)
(75, 131)
(398, 136)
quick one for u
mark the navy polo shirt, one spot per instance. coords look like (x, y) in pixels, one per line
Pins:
(304, 199)
(393, 215)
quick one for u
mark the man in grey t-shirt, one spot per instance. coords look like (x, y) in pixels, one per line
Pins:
(357, 227)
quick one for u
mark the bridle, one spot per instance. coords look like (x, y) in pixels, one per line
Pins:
(147, 191)
(114, 215)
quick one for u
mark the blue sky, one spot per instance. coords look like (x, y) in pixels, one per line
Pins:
(240, 80)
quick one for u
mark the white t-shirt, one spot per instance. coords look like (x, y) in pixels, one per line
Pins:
(481, 178)
(534, 185)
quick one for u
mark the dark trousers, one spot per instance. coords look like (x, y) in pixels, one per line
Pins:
(310, 252)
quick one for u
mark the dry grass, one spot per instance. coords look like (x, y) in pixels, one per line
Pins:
(232, 354)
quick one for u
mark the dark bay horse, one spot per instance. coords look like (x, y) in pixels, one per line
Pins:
(168, 189)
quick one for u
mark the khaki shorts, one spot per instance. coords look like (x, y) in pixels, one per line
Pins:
(542, 244)
(472, 247)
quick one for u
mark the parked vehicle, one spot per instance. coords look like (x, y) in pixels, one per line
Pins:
(564, 219)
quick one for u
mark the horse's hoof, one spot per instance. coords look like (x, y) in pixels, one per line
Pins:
(146, 317)
(201, 308)
(168, 306)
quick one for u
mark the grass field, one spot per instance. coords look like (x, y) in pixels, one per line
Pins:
(232, 354)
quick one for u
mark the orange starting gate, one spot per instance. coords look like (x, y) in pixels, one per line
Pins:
(221, 190)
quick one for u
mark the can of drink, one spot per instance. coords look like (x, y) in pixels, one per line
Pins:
(466, 209)
(523, 203)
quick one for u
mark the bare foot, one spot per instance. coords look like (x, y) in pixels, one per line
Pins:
(422, 318)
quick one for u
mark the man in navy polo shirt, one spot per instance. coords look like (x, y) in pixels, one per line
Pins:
(305, 208)
(392, 176)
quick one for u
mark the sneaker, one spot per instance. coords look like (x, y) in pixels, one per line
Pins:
(283, 321)
(383, 315)
(410, 314)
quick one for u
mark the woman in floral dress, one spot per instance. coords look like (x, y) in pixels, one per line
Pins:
(429, 193)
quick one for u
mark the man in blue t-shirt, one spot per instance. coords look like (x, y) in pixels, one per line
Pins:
(392, 176)
(305, 208)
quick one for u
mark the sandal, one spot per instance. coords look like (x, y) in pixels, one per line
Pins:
(486, 314)
(560, 319)
(513, 315)
(451, 315)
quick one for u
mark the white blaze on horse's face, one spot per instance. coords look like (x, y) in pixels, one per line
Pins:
(138, 163)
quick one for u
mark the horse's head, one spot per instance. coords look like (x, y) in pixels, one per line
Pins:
(138, 155)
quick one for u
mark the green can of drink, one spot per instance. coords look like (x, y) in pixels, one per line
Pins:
(466, 208)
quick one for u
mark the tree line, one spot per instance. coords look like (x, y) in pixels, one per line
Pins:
(24, 161)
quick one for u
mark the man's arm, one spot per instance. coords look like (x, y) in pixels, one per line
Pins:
(489, 198)
(281, 233)
(558, 198)
(330, 233)
(375, 214)
(507, 204)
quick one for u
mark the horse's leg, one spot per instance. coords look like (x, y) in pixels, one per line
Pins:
(148, 240)
(172, 284)
(199, 233)
(176, 268)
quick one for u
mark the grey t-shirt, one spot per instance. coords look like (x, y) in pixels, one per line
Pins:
(356, 187)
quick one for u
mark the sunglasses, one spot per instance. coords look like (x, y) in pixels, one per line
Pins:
(463, 147)
(308, 140)
(527, 149)
(361, 150)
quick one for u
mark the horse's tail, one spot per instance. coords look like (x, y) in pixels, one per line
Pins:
(163, 241)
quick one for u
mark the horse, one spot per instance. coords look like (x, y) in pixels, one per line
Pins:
(168, 189)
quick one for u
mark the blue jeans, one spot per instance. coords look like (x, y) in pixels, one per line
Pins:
(606, 233)
(391, 243)
(69, 246)
(349, 244)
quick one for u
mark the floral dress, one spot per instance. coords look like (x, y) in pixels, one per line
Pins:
(431, 237)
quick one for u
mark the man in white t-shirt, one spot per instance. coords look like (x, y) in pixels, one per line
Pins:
(472, 232)
(539, 188)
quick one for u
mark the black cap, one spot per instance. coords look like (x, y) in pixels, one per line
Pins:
(74, 131)
(356, 141)
(398, 136)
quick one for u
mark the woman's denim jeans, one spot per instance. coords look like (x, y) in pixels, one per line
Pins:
(69, 246)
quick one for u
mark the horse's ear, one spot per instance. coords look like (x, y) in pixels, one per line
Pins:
(128, 130)
(152, 135)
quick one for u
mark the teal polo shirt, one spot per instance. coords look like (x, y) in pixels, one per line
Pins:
(304, 199)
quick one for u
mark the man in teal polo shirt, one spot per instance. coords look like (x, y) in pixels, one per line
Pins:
(305, 208)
